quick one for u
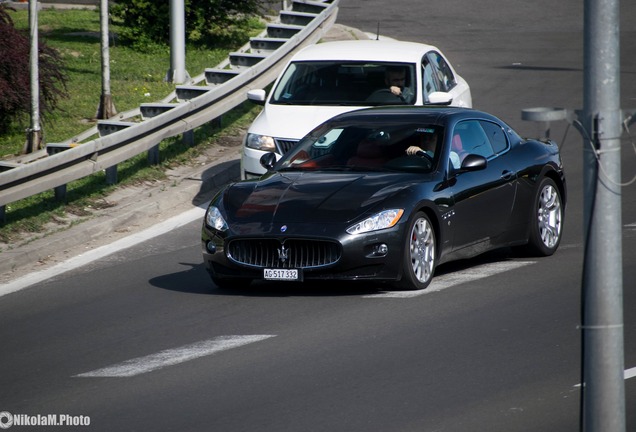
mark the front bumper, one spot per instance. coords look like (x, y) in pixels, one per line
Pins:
(371, 256)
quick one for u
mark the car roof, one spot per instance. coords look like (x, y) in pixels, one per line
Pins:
(365, 50)
(405, 113)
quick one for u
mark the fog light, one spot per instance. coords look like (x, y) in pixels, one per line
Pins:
(380, 249)
(211, 247)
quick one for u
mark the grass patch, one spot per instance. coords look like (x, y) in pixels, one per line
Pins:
(136, 77)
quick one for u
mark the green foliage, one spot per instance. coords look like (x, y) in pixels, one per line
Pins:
(219, 23)
(136, 77)
(15, 88)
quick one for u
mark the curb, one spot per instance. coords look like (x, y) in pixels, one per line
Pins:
(129, 209)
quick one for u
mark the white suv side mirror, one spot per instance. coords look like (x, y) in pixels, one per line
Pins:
(257, 96)
(439, 98)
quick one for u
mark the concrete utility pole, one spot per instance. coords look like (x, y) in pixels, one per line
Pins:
(106, 108)
(177, 73)
(603, 400)
(34, 133)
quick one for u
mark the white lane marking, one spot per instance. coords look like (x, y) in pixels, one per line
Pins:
(629, 373)
(171, 357)
(448, 280)
(100, 252)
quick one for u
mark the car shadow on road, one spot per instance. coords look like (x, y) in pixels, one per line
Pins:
(327, 288)
(215, 178)
(494, 256)
(195, 280)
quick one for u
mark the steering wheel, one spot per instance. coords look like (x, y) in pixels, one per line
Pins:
(385, 95)
(424, 155)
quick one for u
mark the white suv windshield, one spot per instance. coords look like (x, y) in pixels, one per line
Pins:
(346, 83)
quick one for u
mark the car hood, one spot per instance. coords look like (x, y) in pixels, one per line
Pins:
(297, 198)
(293, 121)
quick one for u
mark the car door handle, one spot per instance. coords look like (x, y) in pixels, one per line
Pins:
(507, 175)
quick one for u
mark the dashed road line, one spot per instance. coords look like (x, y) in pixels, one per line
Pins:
(174, 356)
(449, 280)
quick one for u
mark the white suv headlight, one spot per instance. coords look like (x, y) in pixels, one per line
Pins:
(214, 219)
(260, 142)
(382, 220)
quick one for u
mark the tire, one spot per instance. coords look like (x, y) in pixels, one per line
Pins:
(420, 258)
(546, 224)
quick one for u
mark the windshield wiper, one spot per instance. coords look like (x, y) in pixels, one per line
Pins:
(350, 168)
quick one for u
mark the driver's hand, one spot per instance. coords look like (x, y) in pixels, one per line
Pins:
(412, 150)
(395, 90)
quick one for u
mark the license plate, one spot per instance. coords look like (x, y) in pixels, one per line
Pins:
(281, 274)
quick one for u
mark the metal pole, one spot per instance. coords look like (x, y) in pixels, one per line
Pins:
(106, 107)
(603, 400)
(34, 133)
(177, 73)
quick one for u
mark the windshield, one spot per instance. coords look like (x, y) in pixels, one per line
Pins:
(346, 83)
(367, 147)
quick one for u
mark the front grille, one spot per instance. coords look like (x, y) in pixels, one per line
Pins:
(291, 253)
(285, 145)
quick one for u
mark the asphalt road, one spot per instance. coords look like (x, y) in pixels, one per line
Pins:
(140, 339)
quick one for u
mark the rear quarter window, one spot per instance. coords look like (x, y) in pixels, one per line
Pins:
(496, 135)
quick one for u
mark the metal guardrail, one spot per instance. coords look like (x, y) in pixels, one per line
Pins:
(206, 98)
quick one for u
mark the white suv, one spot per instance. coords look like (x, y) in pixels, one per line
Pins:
(327, 79)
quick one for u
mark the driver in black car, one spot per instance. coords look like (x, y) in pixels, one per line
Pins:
(427, 144)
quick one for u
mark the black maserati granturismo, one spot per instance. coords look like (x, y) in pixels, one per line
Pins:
(387, 194)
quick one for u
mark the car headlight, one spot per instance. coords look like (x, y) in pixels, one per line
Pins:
(384, 219)
(214, 219)
(260, 142)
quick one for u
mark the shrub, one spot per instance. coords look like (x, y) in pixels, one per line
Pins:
(218, 23)
(15, 87)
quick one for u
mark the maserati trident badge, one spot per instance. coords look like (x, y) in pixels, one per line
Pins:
(283, 253)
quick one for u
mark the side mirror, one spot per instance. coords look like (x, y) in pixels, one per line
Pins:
(268, 160)
(473, 162)
(439, 98)
(257, 96)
